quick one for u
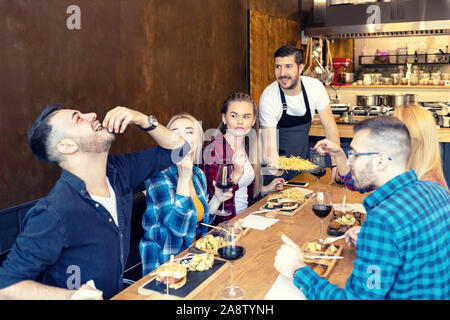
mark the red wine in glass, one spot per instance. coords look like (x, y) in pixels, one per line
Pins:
(224, 182)
(321, 210)
(231, 252)
(321, 203)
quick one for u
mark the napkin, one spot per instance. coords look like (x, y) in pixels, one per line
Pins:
(284, 289)
(87, 294)
(258, 222)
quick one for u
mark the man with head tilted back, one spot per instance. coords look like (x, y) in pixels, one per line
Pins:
(81, 230)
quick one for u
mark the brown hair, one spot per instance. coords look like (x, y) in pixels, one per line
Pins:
(256, 154)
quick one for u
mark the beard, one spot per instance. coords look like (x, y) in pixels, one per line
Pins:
(364, 178)
(95, 143)
(294, 82)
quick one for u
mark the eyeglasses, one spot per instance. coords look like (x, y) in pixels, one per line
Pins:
(351, 155)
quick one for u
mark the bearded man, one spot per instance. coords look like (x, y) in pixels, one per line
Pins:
(402, 247)
(287, 107)
(81, 230)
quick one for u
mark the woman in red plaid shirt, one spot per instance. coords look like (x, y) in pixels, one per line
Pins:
(238, 144)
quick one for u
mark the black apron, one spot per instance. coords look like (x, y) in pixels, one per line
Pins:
(293, 132)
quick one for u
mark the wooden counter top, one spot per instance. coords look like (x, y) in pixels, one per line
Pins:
(346, 130)
(255, 271)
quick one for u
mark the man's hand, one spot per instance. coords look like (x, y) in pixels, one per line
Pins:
(326, 146)
(289, 258)
(117, 119)
(351, 235)
(86, 292)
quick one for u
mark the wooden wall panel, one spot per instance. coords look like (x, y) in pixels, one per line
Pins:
(161, 57)
(343, 48)
(267, 34)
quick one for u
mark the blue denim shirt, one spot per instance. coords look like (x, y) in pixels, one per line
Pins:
(69, 239)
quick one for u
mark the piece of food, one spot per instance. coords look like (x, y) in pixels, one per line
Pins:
(209, 243)
(339, 213)
(295, 195)
(201, 262)
(335, 224)
(274, 198)
(172, 273)
(293, 163)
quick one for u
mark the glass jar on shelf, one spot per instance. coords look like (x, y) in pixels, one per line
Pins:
(414, 79)
(396, 78)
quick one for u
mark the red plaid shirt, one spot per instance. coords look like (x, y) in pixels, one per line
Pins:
(215, 153)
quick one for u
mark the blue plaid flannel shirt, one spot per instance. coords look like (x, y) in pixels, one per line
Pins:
(402, 249)
(170, 220)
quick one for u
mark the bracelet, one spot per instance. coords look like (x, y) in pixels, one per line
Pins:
(333, 166)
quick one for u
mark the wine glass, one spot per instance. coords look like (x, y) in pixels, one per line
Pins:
(232, 249)
(322, 204)
(319, 160)
(224, 182)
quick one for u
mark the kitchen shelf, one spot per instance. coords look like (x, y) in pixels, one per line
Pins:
(399, 86)
(391, 86)
(445, 60)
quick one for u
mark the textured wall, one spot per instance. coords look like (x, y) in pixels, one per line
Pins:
(161, 57)
(272, 25)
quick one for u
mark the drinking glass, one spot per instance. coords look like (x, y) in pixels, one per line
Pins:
(232, 249)
(322, 204)
(224, 182)
(319, 160)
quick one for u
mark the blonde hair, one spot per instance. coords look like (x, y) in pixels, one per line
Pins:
(426, 152)
(198, 130)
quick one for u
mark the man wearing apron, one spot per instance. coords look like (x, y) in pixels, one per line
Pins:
(287, 106)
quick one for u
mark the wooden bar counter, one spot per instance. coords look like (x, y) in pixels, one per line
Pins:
(255, 271)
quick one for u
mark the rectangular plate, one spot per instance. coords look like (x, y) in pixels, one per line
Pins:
(321, 267)
(343, 228)
(292, 212)
(196, 280)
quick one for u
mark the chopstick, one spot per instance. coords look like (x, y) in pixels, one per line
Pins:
(323, 257)
(218, 228)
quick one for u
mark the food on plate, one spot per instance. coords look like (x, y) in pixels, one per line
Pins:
(201, 262)
(317, 247)
(288, 204)
(286, 200)
(357, 214)
(293, 163)
(172, 273)
(335, 225)
(348, 220)
(339, 213)
(295, 195)
(274, 198)
(209, 243)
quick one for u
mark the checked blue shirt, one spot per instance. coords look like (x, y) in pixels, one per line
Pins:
(170, 221)
(402, 248)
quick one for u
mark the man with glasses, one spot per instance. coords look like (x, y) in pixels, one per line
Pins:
(402, 248)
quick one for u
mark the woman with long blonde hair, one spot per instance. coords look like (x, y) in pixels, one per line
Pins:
(177, 201)
(426, 153)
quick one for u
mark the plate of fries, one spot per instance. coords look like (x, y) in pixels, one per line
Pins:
(294, 163)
